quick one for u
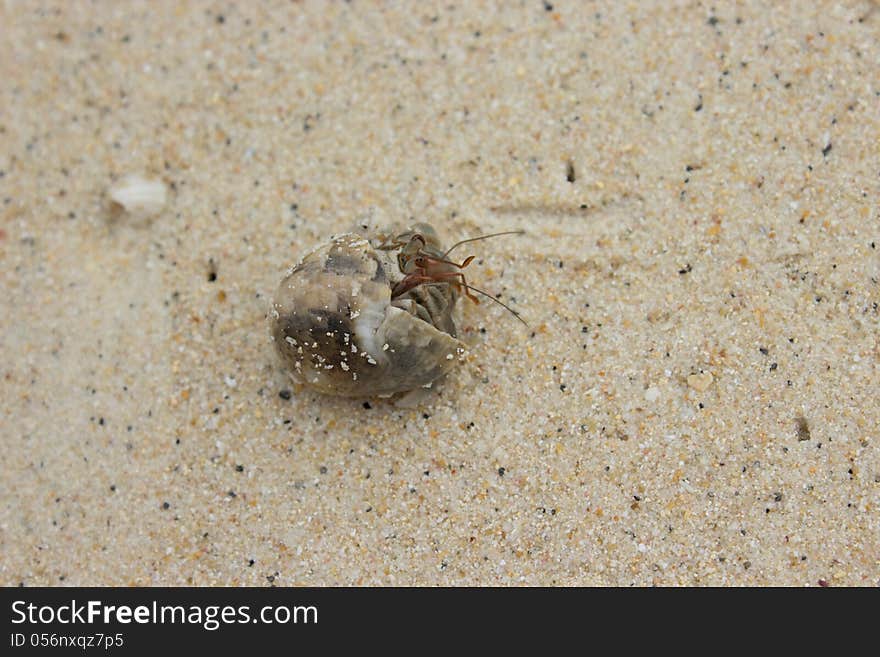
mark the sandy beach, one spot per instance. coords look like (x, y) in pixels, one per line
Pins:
(693, 402)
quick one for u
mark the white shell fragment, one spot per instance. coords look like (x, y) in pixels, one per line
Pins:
(140, 197)
(338, 330)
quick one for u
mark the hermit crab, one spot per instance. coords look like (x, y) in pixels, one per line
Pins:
(358, 319)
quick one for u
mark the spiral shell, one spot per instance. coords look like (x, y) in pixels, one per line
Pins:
(338, 330)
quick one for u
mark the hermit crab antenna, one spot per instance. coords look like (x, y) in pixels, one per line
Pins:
(482, 237)
(498, 301)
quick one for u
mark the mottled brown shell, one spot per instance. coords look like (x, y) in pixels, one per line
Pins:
(338, 331)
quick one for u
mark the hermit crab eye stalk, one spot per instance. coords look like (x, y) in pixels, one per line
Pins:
(410, 251)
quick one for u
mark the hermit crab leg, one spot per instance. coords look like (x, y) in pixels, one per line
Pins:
(468, 287)
(433, 260)
(414, 280)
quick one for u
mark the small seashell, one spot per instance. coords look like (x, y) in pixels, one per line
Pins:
(139, 197)
(700, 382)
